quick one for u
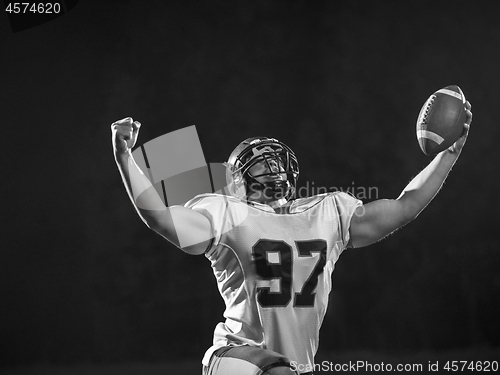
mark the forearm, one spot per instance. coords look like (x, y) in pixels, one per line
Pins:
(377, 219)
(182, 226)
(424, 187)
(141, 192)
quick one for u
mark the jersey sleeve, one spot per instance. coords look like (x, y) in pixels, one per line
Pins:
(215, 209)
(345, 204)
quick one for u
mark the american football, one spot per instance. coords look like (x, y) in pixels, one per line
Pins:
(441, 120)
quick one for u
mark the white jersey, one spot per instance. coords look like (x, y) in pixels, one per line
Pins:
(274, 270)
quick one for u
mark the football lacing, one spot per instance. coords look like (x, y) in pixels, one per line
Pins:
(427, 107)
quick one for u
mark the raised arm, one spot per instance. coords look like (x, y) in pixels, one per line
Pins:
(185, 228)
(379, 218)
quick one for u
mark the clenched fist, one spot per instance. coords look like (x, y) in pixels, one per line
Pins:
(124, 134)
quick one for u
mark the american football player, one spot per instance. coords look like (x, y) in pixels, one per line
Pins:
(272, 255)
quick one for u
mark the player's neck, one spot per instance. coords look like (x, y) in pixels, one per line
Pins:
(281, 206)
(283, 210)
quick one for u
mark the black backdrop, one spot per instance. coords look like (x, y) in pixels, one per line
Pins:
(341, 82)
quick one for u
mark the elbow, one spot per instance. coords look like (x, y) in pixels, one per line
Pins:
(410, 209)
(411, 214)
(152, 224)
(157, 221)
(408, 217)
(166, 232)
(406, 220)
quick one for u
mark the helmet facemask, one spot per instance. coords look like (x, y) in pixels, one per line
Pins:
(277, 159)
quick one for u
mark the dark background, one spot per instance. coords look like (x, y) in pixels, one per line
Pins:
(82, 279)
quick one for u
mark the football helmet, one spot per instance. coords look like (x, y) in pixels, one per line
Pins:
(279, 160)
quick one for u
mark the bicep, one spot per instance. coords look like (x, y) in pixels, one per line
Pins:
(375, 220)
(186, 228)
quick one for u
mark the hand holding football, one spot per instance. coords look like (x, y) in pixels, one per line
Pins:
(442, 120)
